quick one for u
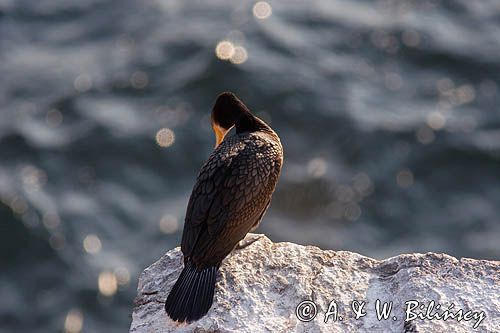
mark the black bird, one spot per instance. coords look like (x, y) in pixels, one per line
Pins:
(231, 195)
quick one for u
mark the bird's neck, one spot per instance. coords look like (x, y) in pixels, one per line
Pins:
(247, 122)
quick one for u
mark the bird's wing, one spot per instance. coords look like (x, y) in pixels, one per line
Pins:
(229, 197)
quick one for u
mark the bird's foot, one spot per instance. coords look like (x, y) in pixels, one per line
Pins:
(248, 240)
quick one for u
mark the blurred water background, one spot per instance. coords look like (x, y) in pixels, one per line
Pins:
(388, 112)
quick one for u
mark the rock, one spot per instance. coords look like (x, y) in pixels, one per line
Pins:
(259, 287)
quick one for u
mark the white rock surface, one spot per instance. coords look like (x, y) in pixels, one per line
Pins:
(260, 286)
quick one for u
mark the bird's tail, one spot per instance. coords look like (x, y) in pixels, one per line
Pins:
(192, 295)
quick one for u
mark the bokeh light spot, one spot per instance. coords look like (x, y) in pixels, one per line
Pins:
(92, 244)
(262, 10)
(425, 135)
(317, 167)
(122, 276)
(82, 83)
(362, 184)
(393, 81)
(107, 283)
(239, 56)
(165, 137)
(51, 220)
(466, 94)
(57, 241)
(168, 224)
(436, 120)
(32, 177)
(18, 205)
(53, 118)
(224, 50)
(139, 80)
(411, 38)
(404, 178)
(73, 322)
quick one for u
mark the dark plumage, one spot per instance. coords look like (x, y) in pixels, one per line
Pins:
(232, 192)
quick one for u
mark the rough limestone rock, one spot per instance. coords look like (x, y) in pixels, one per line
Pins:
(259, 287)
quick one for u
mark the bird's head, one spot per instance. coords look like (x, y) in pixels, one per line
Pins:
(226, 111)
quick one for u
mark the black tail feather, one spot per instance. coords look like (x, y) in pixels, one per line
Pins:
(192, 295)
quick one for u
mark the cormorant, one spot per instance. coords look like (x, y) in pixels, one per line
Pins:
(231, 195)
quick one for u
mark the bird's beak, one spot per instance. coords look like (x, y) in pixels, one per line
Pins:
(219, 132)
